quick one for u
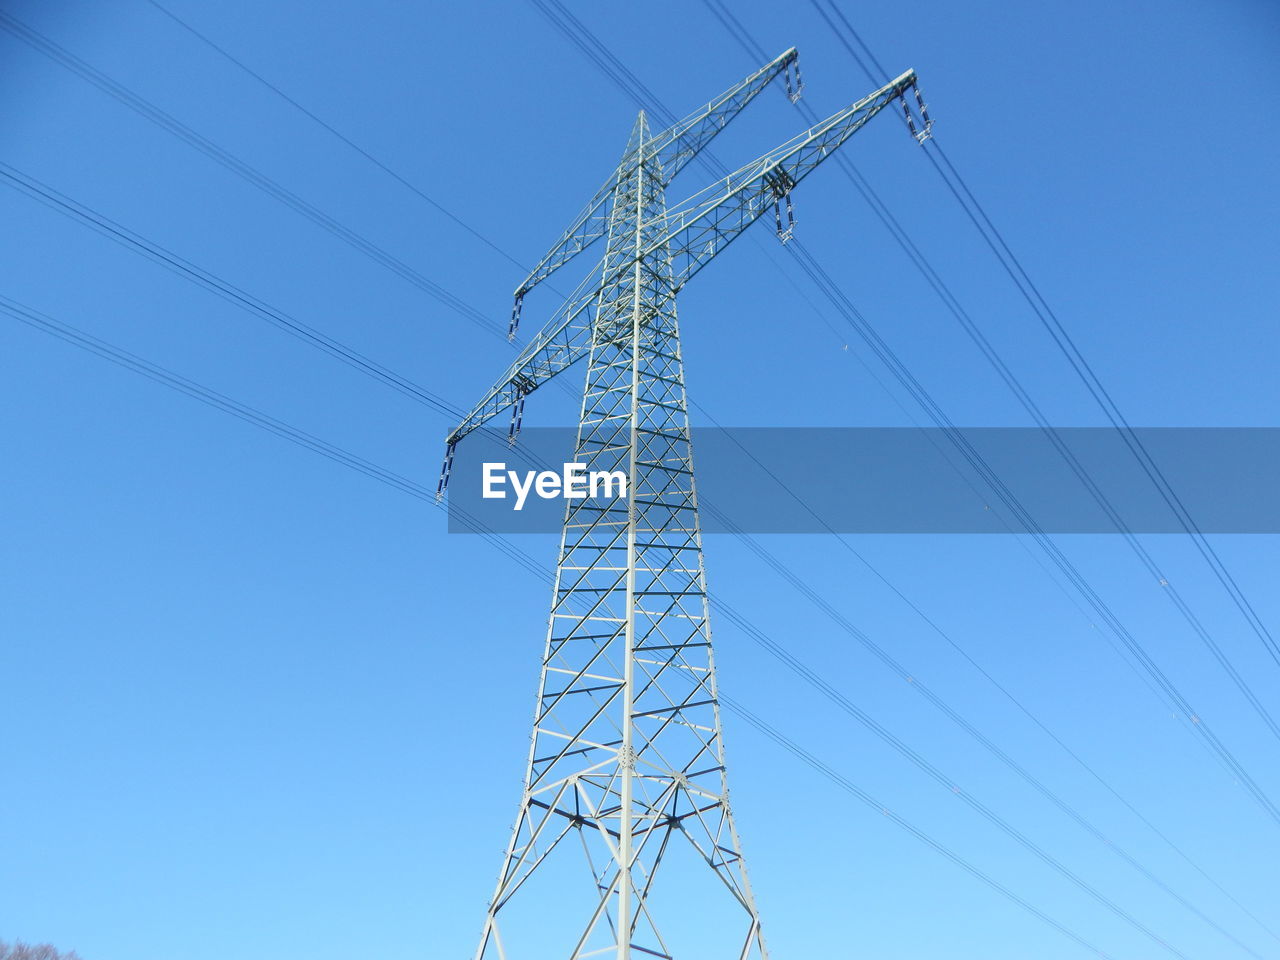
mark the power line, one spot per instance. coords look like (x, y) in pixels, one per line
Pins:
(915, 682)
(78, 66)
(337, 133)
(938, 776)
(841, 302)
(331, 129)
(591, 46)
(242, 299)
(845, 43)
(1062, 339)
(348, 464)
(804, 756)
(254, 417)
(1012, 265)
(246, 172)
(739, 32)
(227, 291)
(167, 378)
(599, 54)
(736, 29)
(594, 50)
(1130, 438)
(239, 298)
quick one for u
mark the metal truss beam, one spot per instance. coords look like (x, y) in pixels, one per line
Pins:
(693, 234)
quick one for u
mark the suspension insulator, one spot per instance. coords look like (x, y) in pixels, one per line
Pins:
(445, 469)
(922, 133)
(515, 316)
(517, 416)
(911, 123)
(784, 233)
(795, 88)
(924, 109)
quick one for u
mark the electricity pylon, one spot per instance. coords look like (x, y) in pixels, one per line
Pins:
(627, 759)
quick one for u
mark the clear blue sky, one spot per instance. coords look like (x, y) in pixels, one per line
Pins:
(258, 705)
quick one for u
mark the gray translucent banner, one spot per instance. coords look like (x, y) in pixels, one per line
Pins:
(891, 480)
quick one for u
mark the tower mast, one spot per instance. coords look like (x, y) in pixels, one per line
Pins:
(626, 759)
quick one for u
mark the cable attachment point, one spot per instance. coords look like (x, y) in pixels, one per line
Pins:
(524, 386)
(921, 133)
(515, 315)
(795, 85)
(780, 183)
(445, 469)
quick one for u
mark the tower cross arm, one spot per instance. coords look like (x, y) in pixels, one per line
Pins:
(587, 227)
(682, 141)
(562, 342)
(695, 232)
(701, 227)
(675, 148)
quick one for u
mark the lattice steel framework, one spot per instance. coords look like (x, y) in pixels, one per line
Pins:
(626, 757)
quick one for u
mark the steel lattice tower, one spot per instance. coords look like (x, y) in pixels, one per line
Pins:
(626, 758)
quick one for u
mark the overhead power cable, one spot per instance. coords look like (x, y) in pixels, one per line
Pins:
(343, 138)
(610, 64)
(1062, 339)
(594, 50)
(804, 756)
(1157, 574)
(217, 400)
(220, 401)
(882, 350)
(915, 681)
(600, 55)
(736, 29)
(42, 44)
(813, 678)
(216, 285)
(1131, 440)
(337, 133)
(167, 122)
(868, 193)
(239, 298)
